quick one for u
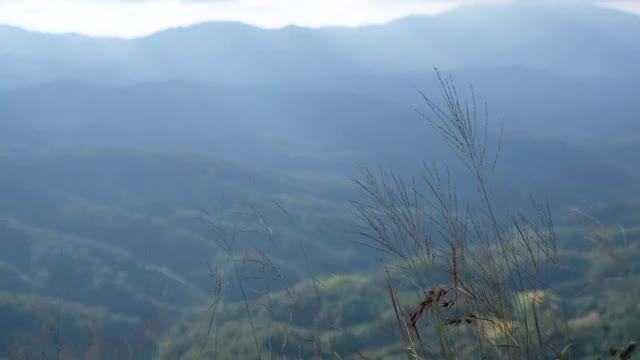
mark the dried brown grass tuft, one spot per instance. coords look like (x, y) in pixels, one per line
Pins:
(490, 257)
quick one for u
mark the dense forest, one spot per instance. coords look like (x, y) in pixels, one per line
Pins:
(465, 185)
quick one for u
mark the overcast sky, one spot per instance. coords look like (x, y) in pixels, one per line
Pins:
(130, 18)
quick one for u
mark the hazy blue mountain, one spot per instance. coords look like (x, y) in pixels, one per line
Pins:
(567, 40)
(576, 41)
(374, 121)
(29, 57)
(284, 133)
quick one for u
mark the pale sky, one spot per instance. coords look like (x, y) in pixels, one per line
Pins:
(132, 18)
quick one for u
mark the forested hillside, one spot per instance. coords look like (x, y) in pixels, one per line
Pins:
(198, 193)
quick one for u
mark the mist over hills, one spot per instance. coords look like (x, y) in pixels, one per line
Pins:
(557, 61)
(111, 150)
(570, 41)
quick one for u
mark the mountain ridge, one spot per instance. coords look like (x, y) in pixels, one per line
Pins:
(592, 42)
(291, 27)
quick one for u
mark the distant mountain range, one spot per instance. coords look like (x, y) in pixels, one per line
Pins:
(577, 41)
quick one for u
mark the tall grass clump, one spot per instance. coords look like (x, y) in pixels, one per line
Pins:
(480, 271)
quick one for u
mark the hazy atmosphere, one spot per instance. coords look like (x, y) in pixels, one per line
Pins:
(306, 179)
